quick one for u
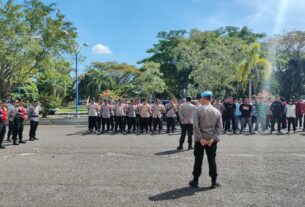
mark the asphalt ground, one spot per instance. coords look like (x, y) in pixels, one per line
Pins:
(67, 167)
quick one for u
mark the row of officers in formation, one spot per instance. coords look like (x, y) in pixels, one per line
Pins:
(143, 117)
(12, 116)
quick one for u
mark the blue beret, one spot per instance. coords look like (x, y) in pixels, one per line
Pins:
(206, 94)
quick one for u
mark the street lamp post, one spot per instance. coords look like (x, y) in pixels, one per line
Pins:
(76, 77)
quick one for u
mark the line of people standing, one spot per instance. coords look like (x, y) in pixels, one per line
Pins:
(131, 117)
(14, 117)
(261, 114)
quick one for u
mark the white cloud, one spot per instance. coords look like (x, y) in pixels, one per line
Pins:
(100, 49)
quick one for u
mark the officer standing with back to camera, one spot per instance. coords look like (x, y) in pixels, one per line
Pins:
(207, 129)
(186, 116)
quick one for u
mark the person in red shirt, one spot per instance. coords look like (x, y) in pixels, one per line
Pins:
(3, 118)
(299, 112)
(21, 124)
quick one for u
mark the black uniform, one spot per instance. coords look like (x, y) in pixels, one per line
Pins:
(229, 116)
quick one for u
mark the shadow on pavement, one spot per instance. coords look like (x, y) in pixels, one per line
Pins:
(178, 193)
(170, 152)
(78, 133)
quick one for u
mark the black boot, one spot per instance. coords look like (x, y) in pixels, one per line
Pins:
(180, 147)
(15, 142)
(190, 147)
(215, 184)
(194, 183)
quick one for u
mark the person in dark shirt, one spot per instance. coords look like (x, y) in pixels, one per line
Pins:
(246, 110)
(230, 108)
(277, 108)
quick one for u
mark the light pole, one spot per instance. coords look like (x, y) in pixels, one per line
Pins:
(76, 77)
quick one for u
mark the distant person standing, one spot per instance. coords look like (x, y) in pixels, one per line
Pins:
(291, 115)
(237, 114)
(132, 116)
(207, 130)
(246, 109)
(276, 108)
(157, 110)
(93, 109)
(105, 114)
(12, 110)
(21, 127)
(261, 114)
(220, 106)
(120, 113)
(230, 108)
(33, 115)
(186, 116)
(3, 118)
(170, 114)
(145, 111)
(299, 113)
(268, 113)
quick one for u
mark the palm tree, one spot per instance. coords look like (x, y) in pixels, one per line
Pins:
(98, 81)
(252, 66)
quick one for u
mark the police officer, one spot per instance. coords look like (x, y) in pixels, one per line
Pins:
(33, 115)
(11, 112)
(186, 116)
(93, 109)
(105, 114)
(132, 114)
(20, 132)
(207, 129)
(3, 117)
(120, 113)
(145, 111)
(157, 110)
(170, 114)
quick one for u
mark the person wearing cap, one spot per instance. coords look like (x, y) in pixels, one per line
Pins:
(186, 116)
(11, 112)
(33, 116)
(3, 118)
(14, 118)
(207, 123)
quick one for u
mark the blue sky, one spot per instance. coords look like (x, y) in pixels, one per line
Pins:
(125, 29)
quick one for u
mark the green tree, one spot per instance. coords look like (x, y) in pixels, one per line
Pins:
(150, 80)
(33, 36)
(252, 67)
(164, 53)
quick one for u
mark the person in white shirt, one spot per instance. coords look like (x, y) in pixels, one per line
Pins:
(92, 112)
(132, 113)
(120, 113)
(157, 110)
(186, 115)
(105, 114)
(145, 111)
(170, 114)
(291, 115)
